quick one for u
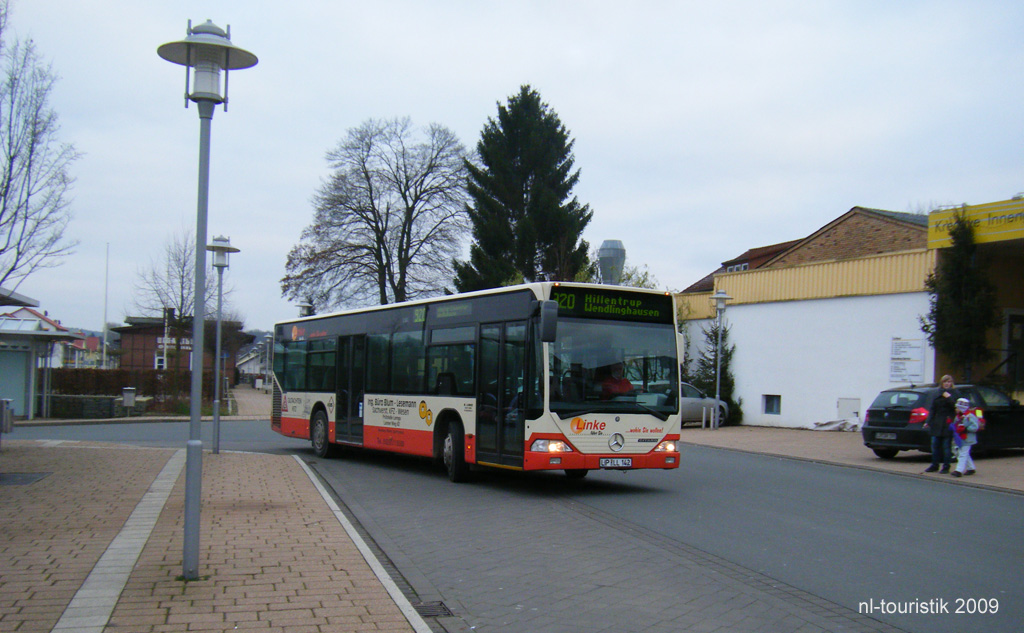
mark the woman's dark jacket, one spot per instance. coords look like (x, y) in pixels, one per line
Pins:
(942, 411)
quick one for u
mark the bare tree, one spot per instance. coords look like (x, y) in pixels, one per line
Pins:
(387, 223)
(171, 281)
(34, 178)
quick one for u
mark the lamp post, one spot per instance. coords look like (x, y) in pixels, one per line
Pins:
(268, 344)
(719, 298)
(221, 247)
(207, 49)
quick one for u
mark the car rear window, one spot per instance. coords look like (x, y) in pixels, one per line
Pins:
(992, 397)
(908, 399)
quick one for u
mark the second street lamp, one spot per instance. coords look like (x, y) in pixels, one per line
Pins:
(207, 49)
(221, 248)
(719, 298)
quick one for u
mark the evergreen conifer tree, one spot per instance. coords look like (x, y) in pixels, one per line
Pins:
(962, 301)
(704, 373)
(525, 223)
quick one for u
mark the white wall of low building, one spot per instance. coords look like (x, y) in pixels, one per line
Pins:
(813, 353)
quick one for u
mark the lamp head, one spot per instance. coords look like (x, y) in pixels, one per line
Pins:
(221, 247)
(720, 298)
(208, 49)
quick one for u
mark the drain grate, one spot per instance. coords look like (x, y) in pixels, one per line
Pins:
(432, 609)
(20, 479)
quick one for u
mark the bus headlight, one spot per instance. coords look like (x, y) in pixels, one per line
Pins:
(550, 446)
(668, 446)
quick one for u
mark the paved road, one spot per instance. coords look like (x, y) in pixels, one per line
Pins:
(733, 540)
(738, 541)
(236, 435)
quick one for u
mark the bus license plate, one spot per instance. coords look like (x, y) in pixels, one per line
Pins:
(616, 462)
(885, 436)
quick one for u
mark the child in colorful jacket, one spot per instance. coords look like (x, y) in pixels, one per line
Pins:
(966, 425)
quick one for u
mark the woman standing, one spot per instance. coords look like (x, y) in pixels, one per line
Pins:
(941, 413)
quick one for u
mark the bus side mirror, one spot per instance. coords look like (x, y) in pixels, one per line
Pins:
(548, 321)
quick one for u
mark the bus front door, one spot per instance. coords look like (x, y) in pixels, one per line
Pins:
(351, 379)
(500, 400)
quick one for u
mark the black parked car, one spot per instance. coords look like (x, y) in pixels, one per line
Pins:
(895, 420)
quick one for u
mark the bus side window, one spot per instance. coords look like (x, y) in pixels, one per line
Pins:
(295, 365)
(407, 352)
(321, 365)
(377, 363)
(445, 384)
(452, 363)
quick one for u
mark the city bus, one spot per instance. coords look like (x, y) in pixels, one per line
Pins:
(540, 376)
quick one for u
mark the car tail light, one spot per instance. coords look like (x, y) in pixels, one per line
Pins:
(918, 415)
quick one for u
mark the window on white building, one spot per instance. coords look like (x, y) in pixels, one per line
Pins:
(772, 404)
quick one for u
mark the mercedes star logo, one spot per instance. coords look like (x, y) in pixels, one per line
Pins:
(616, 442)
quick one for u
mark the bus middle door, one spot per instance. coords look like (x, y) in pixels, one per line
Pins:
(500, 400)
(351, 381)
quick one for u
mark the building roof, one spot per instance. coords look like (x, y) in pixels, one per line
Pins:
(754, 258)
(828, 247)
(22, 328)
(46, 323)
(919, 219)
(11, 298)
(766, 256)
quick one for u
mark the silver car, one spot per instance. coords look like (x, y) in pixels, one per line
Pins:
(695, 406)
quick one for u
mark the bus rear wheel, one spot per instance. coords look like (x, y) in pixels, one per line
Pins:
(322, 447)
(453, 454)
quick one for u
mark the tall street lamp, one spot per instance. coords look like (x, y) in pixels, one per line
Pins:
(208, 49)
(268, 345)
(221, 247)
(719, 298)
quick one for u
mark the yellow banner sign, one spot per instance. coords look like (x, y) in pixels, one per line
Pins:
(993, 222)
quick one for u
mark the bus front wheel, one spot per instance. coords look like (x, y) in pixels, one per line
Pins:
(318, 435)
(453, 453)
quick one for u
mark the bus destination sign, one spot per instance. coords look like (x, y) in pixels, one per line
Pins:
(601, 303)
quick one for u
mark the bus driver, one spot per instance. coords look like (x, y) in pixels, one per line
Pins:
(614, 384)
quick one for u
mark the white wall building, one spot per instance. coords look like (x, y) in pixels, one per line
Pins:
(818, 363)
(823, 324)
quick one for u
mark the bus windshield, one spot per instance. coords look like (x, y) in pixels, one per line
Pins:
(612, 366)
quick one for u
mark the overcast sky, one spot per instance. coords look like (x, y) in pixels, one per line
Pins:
(702, 129)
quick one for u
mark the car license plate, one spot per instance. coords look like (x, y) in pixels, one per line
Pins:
(616, 462)
(885, 436)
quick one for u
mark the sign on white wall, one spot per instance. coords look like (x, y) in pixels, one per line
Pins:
(906, 360)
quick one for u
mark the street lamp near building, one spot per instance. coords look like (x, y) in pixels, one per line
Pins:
(221, 248)
(208, 50)
(719, 298)
(268, 349)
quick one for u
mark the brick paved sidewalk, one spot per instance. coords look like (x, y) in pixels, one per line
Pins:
(275, 556)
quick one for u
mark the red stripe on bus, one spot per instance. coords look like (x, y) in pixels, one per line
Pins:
(386, 438)
(294, 427)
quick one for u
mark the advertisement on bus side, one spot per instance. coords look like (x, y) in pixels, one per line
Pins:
(405, 424)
